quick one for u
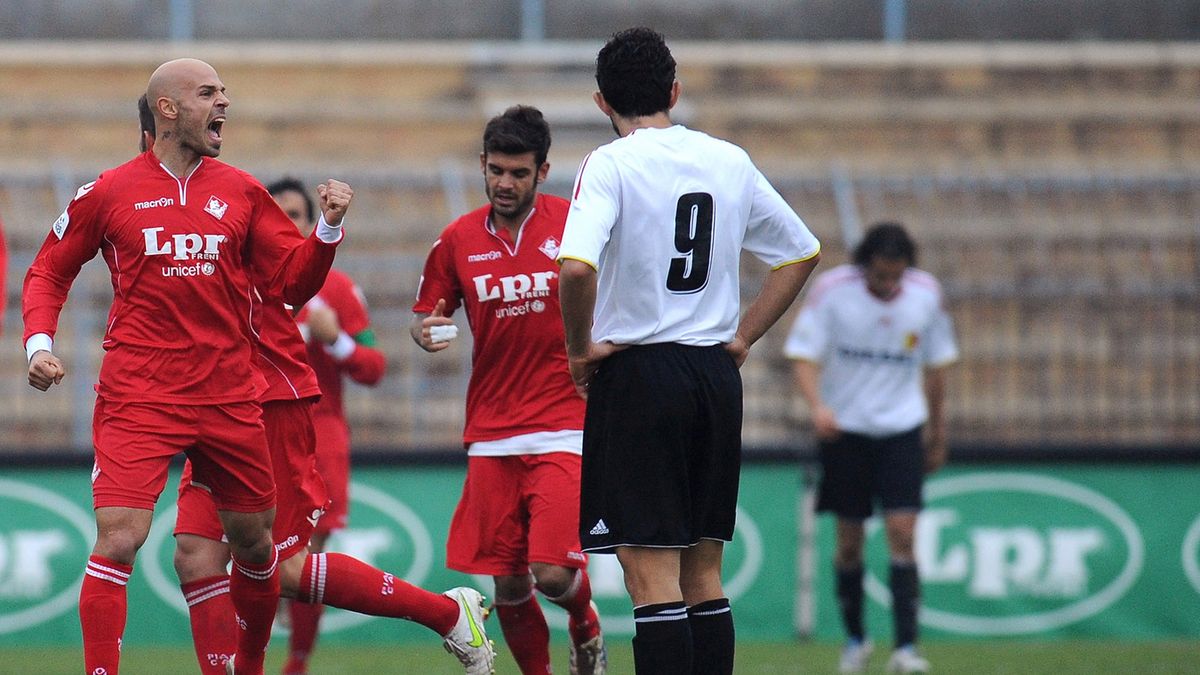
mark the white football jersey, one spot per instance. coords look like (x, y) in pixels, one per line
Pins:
(663, 215)
(873, 352)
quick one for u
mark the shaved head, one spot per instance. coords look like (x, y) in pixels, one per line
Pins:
(172, 78)
(188, 102)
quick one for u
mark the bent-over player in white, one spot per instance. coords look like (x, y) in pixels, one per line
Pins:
(870, 346)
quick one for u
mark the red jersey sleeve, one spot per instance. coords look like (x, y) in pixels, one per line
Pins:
(345, 297)
(73, 240)
(366, 364)
(439, 280)
(294, 267)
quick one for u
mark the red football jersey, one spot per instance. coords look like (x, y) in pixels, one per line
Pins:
(520, 383)
(181, 253)
(365, 364)
(282, 357)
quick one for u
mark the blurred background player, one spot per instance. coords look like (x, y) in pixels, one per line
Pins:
(650, 288)
(871, 346)
(289, 389)
(519, 512)
(3, 276)
(337, 328)
(176, 374)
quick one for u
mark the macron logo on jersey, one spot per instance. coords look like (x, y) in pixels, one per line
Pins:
(481, 257)
(154, 203)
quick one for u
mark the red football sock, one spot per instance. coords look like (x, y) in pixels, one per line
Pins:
(584, 624)
(306, 619)
(340, 581)
(527, 635)
(213, 626)
(102, 608)
(254, 590)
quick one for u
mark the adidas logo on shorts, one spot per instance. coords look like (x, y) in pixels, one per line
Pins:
(599, 528)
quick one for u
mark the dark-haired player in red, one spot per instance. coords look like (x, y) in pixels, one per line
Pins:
(337, 327)
(518, 519)
(183, 235)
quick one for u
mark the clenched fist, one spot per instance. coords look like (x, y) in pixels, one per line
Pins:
(335, 199)
(44, 370)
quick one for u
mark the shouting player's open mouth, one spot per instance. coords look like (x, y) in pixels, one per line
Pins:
(214, 129)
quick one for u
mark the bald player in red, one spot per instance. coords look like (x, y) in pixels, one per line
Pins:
(182, 235)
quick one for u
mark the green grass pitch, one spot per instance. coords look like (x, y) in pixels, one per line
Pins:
(998, 657)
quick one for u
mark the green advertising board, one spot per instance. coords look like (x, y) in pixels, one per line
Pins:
(1025, 551)
(398, 522)
(1043, 551)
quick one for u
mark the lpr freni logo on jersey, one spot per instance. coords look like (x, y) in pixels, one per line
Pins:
(515, 288)
(201, 249)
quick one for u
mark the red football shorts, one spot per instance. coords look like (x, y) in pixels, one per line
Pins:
(301, 490)
(333, 461)
(226, 443)
(516, 510)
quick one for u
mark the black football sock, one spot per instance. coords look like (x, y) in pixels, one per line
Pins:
(906, 597)
(712, 637)
(662, 644)
(850, 600)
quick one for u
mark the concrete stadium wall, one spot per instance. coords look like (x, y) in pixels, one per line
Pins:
(680, 19)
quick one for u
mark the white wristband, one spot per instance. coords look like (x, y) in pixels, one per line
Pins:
(442, 333)
(330, 234)
(342, 348)
(36, 343)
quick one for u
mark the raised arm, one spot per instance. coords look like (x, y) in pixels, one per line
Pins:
(294, 266)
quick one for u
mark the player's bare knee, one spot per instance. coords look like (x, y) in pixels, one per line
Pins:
(553, 580)
(119, 546)
(513, 589)
(848, 552)
(701, 588)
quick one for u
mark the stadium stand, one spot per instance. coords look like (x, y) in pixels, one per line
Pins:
(1054, 189)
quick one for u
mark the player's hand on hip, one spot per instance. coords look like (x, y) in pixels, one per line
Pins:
(45, 369)
(323, 324)
(739, 349)
(935, 453)
(437, 329)
(335, 199)
(583, 368)
(825, 423)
